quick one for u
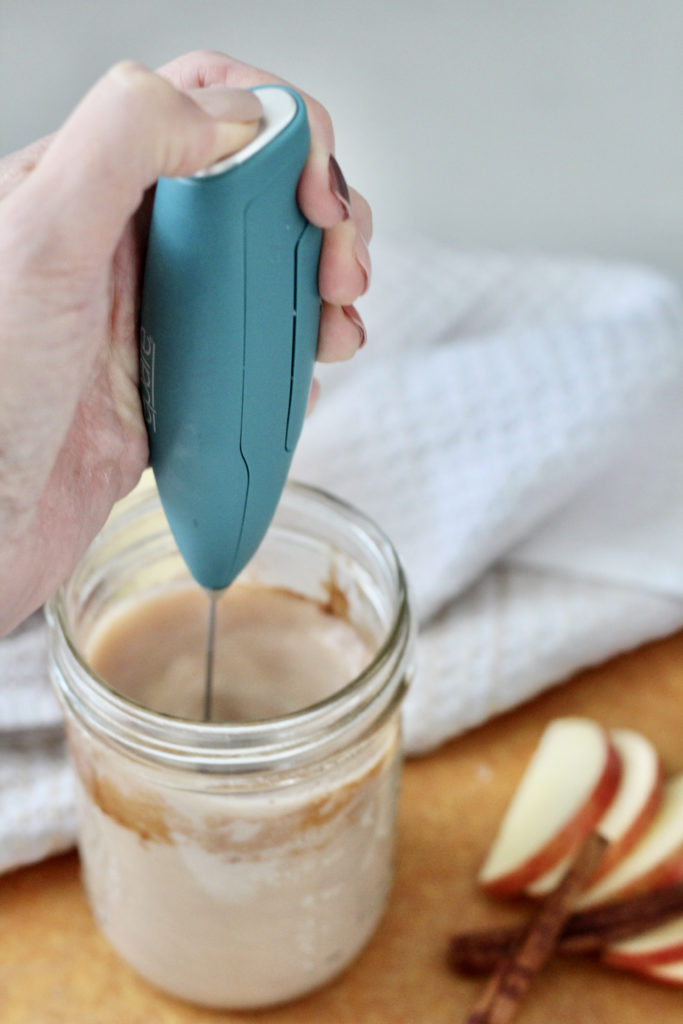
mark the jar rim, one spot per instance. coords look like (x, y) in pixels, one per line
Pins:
(175, 740)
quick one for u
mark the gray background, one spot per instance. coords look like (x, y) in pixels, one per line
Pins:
(515, 124)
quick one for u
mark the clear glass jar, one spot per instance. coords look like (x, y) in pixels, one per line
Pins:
(238, 865)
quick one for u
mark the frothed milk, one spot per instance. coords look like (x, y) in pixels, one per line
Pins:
(275, 652)
(243, 890)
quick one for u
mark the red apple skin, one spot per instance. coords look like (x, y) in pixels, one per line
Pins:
(568, 839)
(616, 851)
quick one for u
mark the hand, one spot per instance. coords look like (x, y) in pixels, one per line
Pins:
(73, 215)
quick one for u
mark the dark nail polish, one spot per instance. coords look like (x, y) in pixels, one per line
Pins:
(339, 187)
(352, 313)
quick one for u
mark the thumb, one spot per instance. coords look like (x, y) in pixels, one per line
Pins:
(130, 129)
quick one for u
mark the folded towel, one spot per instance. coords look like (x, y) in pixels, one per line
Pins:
(37, 793)
(515, 426)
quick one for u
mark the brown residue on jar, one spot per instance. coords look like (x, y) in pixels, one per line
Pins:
(337, 601)
(138, 811)
(312, 824)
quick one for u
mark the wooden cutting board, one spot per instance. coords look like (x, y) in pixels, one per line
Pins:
(56, 969)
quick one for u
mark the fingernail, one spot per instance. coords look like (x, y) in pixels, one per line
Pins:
(228, 104)
(352, 313)
(339, 187)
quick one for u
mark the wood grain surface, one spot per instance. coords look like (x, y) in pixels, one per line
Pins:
(55, 968)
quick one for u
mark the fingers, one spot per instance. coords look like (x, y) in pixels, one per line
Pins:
(315, 194)
(135, 125)
(131, 128)
(342, 333)
(344, 273)
(323, 194)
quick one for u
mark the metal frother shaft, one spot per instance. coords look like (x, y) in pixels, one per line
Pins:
(213, 596)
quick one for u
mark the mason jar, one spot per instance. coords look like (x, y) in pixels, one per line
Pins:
(238, 864)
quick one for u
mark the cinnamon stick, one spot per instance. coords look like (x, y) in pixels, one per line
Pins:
(502, 996)
(477, 952)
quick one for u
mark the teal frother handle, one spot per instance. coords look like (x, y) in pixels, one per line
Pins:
(229, 327)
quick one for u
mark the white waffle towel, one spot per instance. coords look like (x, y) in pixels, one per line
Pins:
(516, 426)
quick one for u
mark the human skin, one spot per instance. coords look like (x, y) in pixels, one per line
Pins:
(74, 212)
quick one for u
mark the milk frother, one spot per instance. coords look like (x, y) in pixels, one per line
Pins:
(229, 326)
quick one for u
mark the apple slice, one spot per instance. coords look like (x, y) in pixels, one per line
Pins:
(637, 799)
(566, 787)
(630, 813)
(660, 945)
(670, 974)
(655, 860)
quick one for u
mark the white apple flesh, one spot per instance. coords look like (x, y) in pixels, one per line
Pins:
(570, 780)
